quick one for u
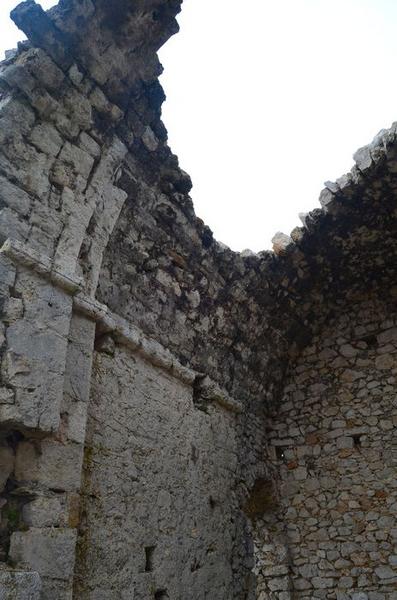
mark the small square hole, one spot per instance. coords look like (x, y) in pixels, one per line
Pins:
(357, 441)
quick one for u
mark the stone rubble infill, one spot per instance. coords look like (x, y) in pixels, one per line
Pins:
(334, 439)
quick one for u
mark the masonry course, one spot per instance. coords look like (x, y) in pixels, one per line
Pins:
(179, 420)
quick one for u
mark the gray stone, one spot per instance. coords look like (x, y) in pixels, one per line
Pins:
(385, 572)
(280, 242)
(18, 585)
(51, 552)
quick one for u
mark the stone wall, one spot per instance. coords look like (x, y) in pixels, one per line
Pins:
(160, 474)
(334, 441)
(66, 158)
(204, 436)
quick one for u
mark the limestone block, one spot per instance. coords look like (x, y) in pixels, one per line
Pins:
(13, 310)
(386, 572)
(87, 143)
(43, 68)
(12, 226)
(77, 213)
(363, 158)
(75, 421)
(16, 117)
(110, 201)
(14, 197)
(280, 242)
(344, 442)
(102, 104)
(111, 159)
(52, 464)
(46, 138)
(327, 200)
(81, 160)
(385, 361)
(66, 127)
(29, 168)
(34, 362)
(75, 75)
(17, 75)
(19, 585)
(79, 358)
(56, 589)
(63, 175)
(50, 552)
(79, 108)
(44, 512)
(48, 221)
(7, 272)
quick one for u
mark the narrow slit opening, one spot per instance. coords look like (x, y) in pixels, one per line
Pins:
(280, 453)
(149, 555)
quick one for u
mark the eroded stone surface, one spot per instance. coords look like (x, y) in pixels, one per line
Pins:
(19, 585)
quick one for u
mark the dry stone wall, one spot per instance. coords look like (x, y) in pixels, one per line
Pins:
(167, 406)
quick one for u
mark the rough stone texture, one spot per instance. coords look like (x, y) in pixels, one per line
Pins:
(236, 438)
(334, 442)
(17, 585)
(160, 475)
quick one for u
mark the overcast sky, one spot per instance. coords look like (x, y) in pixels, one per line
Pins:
(267, 99)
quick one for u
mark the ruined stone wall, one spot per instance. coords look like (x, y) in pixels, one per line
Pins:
(74, 135)
(334, 441)
(154, 474)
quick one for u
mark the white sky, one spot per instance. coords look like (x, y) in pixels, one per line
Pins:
(267, 99)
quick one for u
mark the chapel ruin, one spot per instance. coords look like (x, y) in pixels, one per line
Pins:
(179, 421)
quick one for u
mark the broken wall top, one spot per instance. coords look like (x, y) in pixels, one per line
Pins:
(115, 42)
(238, 316)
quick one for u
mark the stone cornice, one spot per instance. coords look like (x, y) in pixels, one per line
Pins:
(124, 333)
